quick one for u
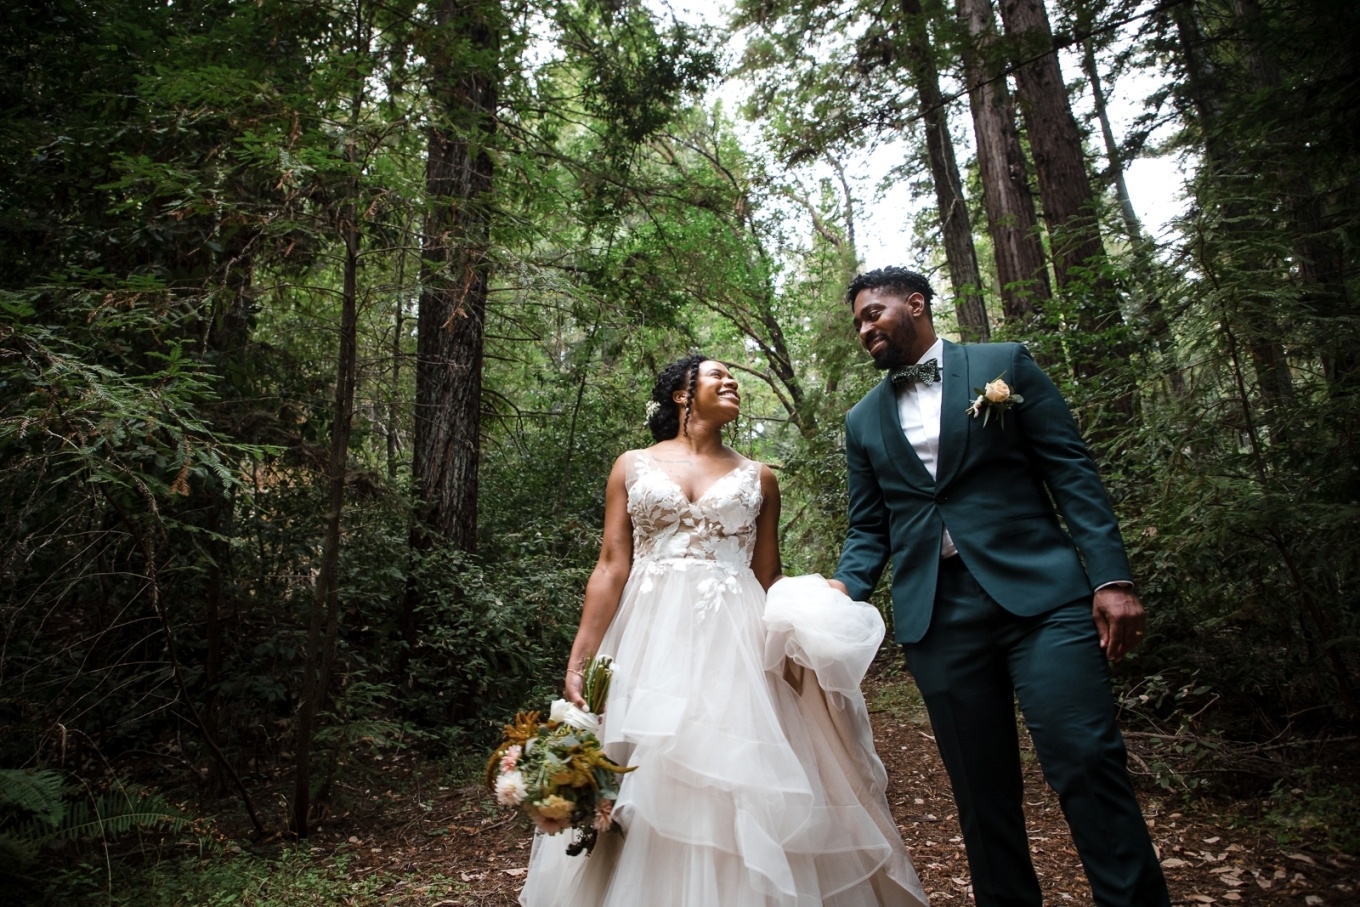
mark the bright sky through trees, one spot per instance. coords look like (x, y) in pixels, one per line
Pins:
(886, 211)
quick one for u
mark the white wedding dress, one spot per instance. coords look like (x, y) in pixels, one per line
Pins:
(756, 782)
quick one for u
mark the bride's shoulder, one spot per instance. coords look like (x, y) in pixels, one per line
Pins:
(765, 478)
(742, 460)
(627, 464)
(637, 455)
(636, 452)
(768, 481)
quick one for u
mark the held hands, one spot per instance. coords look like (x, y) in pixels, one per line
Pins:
(1119, 619)
(838, 586)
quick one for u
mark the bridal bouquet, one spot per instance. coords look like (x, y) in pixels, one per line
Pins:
(556, 770)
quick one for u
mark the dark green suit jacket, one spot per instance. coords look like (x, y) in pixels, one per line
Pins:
(995, 490)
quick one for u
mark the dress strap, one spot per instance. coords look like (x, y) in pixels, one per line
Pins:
(637, 463)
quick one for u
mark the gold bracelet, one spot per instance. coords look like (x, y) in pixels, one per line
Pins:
(576, 672)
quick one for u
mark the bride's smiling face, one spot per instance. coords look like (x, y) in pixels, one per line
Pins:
(716, 396)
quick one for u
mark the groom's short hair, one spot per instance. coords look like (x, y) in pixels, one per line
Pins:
(899, 280)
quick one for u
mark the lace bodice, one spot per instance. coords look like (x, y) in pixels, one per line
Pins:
(720, 526)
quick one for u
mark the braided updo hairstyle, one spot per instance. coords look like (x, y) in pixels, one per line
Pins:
(682, 374)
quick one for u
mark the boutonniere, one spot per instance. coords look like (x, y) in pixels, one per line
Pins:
(996, 395)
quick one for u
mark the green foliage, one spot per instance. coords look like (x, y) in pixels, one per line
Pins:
(497, 640)
(634, 74)
(1180, 747)
(1241, 526)
(1315, 809)
(893, 692)
(129, 435)
(37, 811)
(295, 878)
(34, 797)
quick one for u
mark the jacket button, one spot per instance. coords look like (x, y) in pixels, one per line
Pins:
(942, 499)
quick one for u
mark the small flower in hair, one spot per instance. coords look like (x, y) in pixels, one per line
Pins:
(652, 409)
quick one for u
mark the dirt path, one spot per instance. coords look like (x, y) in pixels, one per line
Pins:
(475, 854)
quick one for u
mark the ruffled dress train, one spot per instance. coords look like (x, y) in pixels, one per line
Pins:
(756, 782)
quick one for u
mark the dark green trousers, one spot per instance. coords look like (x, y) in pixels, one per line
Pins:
(973, 663)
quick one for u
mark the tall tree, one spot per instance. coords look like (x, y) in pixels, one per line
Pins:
(1205, 89)
(875, 77)
(1087, 26)
(1070, 206)
(323, 621)
(1011, 222)
(1114, 160)
(955, 222)
(463, 48)
(1319, 252)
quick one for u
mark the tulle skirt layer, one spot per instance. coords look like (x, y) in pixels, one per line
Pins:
(754, 786)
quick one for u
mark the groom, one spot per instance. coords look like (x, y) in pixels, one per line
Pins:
(992, 598)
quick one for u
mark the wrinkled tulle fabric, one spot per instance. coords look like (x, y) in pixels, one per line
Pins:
(756, 785)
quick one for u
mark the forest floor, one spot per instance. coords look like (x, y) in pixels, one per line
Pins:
(427, 841)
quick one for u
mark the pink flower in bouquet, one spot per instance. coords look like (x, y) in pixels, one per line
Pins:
(511, 758)
(604, 815)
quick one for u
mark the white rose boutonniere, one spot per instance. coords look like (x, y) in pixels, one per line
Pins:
(996, 395)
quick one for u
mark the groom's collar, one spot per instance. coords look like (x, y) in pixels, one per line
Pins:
(935, 352)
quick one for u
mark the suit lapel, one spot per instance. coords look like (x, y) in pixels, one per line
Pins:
(958, 387)
(900, 452)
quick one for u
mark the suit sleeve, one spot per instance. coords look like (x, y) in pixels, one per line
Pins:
(1057, 450)
(867, 542)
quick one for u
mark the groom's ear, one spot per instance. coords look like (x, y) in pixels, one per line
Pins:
(917, 305)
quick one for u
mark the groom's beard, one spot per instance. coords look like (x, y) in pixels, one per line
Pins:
(901, 339)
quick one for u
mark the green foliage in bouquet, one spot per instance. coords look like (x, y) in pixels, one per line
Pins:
(556, 770)
(595, 682)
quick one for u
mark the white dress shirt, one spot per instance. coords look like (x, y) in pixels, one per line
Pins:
(918, 412)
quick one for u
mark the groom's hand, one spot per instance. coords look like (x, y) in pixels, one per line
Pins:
(838, 586)
(1119, 619)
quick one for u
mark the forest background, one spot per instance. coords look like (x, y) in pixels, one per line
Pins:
(322, 322)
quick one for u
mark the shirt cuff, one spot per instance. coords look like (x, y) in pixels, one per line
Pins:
(1124, 583)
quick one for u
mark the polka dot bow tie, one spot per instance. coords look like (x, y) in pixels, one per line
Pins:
(926, 372)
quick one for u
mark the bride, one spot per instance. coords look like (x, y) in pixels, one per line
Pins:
(756, 783)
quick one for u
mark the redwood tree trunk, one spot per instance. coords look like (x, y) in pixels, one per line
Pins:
(954, 220)
(463, 49)
(1011, 222)
(1069, 203)
(455, 271)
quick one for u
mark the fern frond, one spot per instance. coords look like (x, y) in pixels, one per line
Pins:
(39, 793)
(34, 813)
(15, 854)
(111, 815)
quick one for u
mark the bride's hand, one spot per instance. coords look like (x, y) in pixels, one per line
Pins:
(571, 690)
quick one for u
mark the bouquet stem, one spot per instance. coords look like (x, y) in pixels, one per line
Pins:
(595, 682)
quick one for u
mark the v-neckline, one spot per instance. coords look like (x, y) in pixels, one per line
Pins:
(695, 502)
